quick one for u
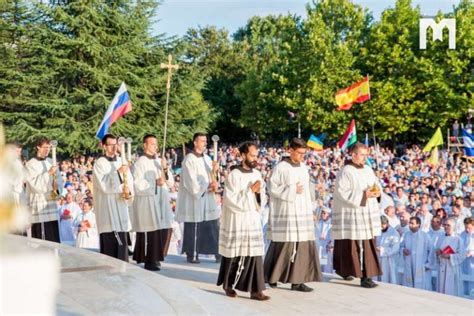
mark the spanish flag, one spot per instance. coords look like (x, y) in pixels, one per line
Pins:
(315, 143)
(357, 93)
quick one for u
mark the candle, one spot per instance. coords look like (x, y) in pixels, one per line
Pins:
(215, 151)
(122, 152)
(129, 151)
(215, 139)
(53, 155)
(54, 144)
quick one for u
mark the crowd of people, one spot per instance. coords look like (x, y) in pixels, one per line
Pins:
(420, 204)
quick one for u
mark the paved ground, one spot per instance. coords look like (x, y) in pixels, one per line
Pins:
(332, 297)
(94, 284)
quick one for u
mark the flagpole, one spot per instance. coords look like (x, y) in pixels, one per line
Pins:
(373, 129)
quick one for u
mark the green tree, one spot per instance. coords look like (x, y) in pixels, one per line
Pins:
(270, 88)
(223, 65)
(80, 52)
(414, 90)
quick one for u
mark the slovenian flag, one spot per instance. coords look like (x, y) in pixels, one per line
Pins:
(349, 138)
(315, 143)
(119, 106)
(468, 142)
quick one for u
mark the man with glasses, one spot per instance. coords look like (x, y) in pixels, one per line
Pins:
(291, 256)
(113, 220)
(42, 183)
(356, 220)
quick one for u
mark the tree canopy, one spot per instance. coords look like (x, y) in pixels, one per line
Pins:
(61, 63)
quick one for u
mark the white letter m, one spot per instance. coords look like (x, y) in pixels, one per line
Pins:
(438, 31)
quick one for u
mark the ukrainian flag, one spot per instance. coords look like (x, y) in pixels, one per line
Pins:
(315, 143)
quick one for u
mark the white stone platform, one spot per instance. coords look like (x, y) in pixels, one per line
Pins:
(93, 284)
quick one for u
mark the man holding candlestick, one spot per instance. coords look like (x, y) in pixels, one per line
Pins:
(196, 204)
(42, 182)
(112, 195)
(151, 214)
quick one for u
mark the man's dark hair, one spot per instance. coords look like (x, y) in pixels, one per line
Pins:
(40, 141)
(199, 134)
(245, 147)
(417, 219)
(469, 220)
(145, 138)
(298, 143)
(107, 136)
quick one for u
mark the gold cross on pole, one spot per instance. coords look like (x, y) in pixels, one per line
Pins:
(170, 68)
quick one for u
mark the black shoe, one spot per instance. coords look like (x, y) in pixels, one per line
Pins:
(218, 258)
(152, 267)
(130, 253)
(367, 283)
(158, 264)
(273, 285)
(192, 260)
(301, 288)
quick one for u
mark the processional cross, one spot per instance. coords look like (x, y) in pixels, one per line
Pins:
(170, 68)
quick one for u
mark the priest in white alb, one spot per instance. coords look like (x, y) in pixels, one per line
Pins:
(151, 214)
(323, 239)
(356, 220)
(196, 205)
(241, 235)
(67, 215)
(467, 267)
(451, 254)
(416, 247)
(291, 256)
(42, 183)
(388, 246)
(111, 199)
(436, 234)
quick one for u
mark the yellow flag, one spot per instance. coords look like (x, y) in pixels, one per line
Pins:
(436, 140)
(434, 157)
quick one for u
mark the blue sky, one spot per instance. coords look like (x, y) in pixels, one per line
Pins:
(174, 17)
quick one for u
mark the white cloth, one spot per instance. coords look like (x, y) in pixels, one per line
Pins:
(350, 220)
(417, 263)
(324, 244)
(449, 272)
(67, 231)
(39, 186)
(389, 246)
(111, 209)
(240, 232)
(87, 239)
(291, 214)
(195, 203)
(151, 208)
